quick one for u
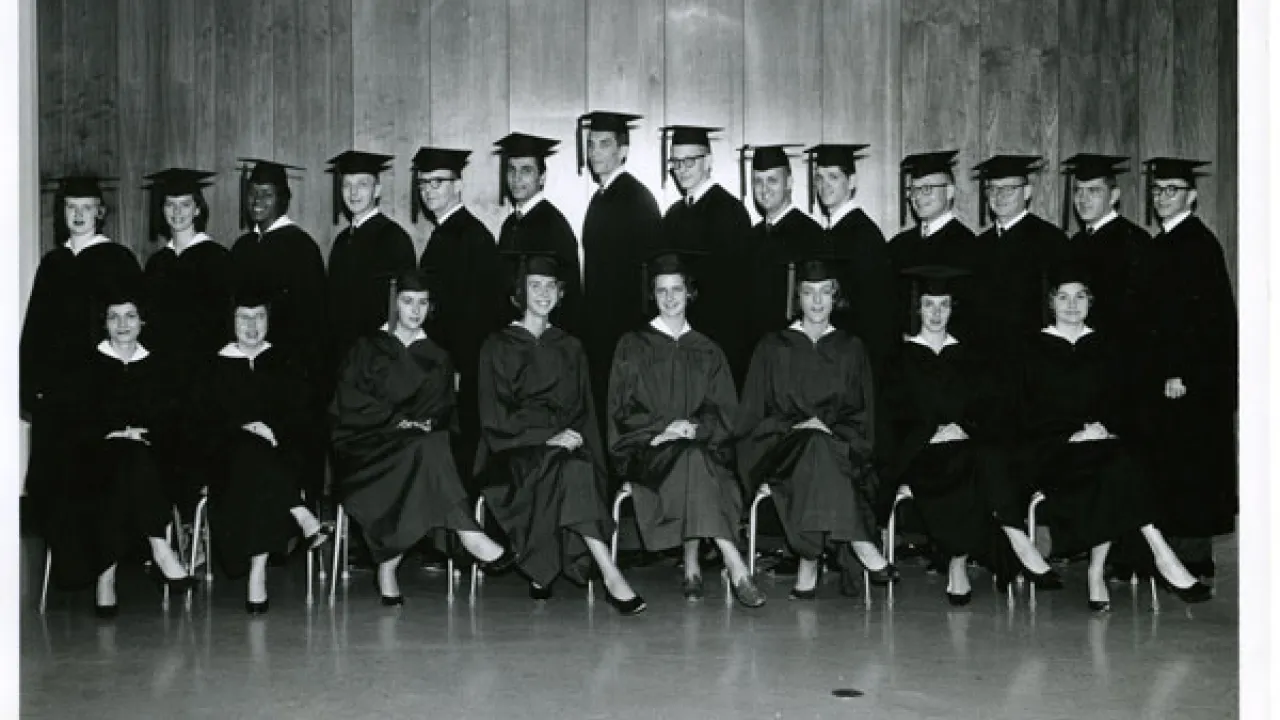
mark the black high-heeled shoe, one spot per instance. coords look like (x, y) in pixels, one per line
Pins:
(959, 599)
(318, 538)
(181, 584)
(499, 565)
(634, 606)
(811, 593)
(1047, 580)
(257, 608)
(1100, 606)
(106, 612)
(538, 592)
(1197, 592)
(885, 575)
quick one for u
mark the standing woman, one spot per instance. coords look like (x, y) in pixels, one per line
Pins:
(188, 288)
(391, 416)
(1075, 450)
(112, 493)
(62, 325)
(543, 468)
(941, 446)
(806, 432)
(257, 403)
(671, 408)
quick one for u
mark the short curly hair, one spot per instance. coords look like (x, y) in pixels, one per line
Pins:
(840, 302)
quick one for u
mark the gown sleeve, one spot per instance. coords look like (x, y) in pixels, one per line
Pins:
(715, 416)
(504, 424)
(356, 410)
(855, 420)
(632, 425)
(759, 420)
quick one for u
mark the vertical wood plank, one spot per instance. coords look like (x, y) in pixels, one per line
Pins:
(1098, 88)
(549, 89)
(940, 95)
(92, 116)
(1155, 82)
(176, 103)
(314, 140)
(1195, 96)
(471, 98)
(244, 108)
(625, 73)
(704, 78)
(341, 106)
(391, 88)
(51, 52)
(1018, 85)
(1228, 175)
(862, 96)
(204, 140)
(140, 138)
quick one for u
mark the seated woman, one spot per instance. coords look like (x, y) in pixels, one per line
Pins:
(256, 403)
(112, 493)
(540, 462)
(942, 447)
(671, 409)
(391, 414)
(1073, 450)
(806, 432)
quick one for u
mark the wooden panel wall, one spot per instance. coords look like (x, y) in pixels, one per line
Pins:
(132, 86)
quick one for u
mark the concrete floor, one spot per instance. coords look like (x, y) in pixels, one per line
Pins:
(506, 657)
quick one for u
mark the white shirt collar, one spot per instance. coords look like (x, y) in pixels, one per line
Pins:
(105, 348)
(1112, 215)
(606, 182)
(661, 327)
(357, 222)
(448, 214)
(1053, 330)
(199, 238)
(789, 207)
(1016, 219)
(1173, 222)
(524, 209)
(97, 239)
(419, 335)
(282, 221)
(232, 350)
(699, 190)
(841, 212)
(919, 340)
(798, 326)
(931, 227)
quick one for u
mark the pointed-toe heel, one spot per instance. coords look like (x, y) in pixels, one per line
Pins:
(318, 538)
(1196, 592)
(181, 584)
(499, 565)
(106, 612)
(392, 600)
(1100, 606)
(885, 576)
(257, 608)
(959, 599)
(538, 592)
(691, 588)
(634, 606)
(747, 593)
(1047, 580)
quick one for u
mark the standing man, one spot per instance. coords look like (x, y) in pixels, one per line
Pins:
(365, 254)
(709, 219)
(618, 235)
(783, 235)
(536, 224)
(1188, 391)
(470, 300)
(867, 282)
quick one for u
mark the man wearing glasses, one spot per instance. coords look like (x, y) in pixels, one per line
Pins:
(468, 298)
(1187, 389)
(709, 219)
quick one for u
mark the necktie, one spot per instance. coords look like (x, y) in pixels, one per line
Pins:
(999, 231)
(688, 200)
(1089, 231)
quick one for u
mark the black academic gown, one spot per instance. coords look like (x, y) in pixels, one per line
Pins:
(619, 233)
(771, 246)
(1096, 491)
(953, 245)
(256, 482)
(868, 285)
(544, 227)
(823, 485)
(473, 300)
(543, 497)
(62, 325)
(959, 486)
(362, 263)
(188, 320)
(1011, 283)
(1188, 330)
(718, 225)
(109, 494)
(1111, 256)
(684, 488)
(398, 485)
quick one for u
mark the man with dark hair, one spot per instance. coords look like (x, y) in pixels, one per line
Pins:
(536, 224)
(620, 231)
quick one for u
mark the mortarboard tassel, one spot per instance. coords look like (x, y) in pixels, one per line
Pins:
(662, 155)
(245, 221)
(1066, 203)
(577, 145)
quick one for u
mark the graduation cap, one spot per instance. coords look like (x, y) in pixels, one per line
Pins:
(930, 280)
(668, 262)
(1085, 167)
(408, 280)
(173, 182)
(255, 171)
(354, 162)
(841, 155)
(1169, 168)
(519, 145)
(921, 165)
(430, 159)
(810, 268)
(997, 167)
(602, 121)
(683, 135)
(84, 185)
(534, 262)
(763, 157)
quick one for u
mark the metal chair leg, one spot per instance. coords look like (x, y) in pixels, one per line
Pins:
(44, 587)
(475, 570)
(623, 494)
(761, 494)
(1036, 499)
(891, 542)
(339, 552)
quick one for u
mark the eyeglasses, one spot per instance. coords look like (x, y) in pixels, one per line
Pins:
(434, 183)
(923, 190)
(1167, 191)
(1091, 192)
(1003, 191)
(685, 163)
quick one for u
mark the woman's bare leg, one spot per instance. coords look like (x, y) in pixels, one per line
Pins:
(613, 580)
(388, 584)
(258, 578)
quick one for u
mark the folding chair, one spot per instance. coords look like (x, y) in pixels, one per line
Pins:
(477, 576)
(342, 552)
(48, 568)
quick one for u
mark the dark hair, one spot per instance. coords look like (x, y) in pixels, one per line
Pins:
(431, 305)
(539, 161)
(1057, 284)
(690, 286)
(914, 323)
(62, 231)
(105, 305)
(284, 195)
(519, 293)
(839, 300)
(202, 216)
(848, 168)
